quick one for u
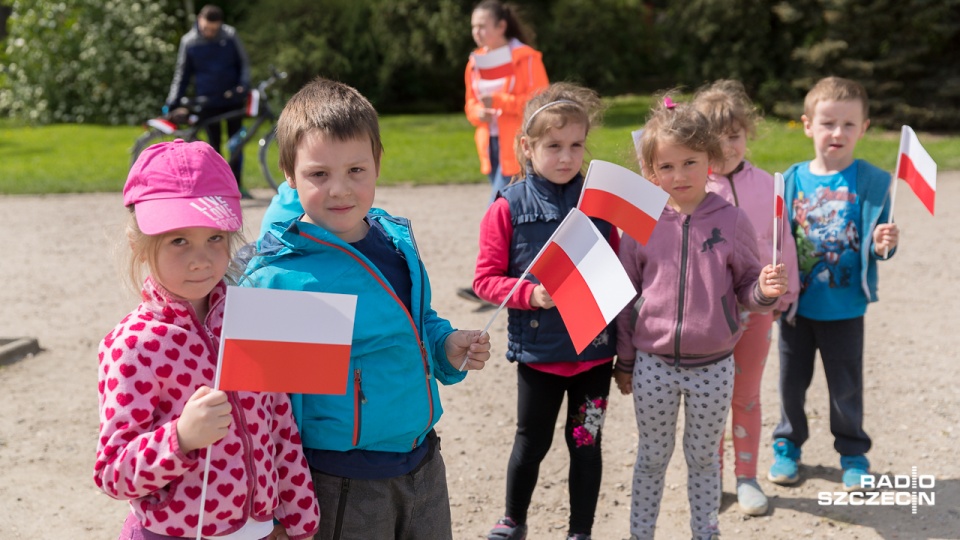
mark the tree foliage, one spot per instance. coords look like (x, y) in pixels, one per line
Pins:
(111, 60)
(607, 45)
(88, 60)
(901, 50)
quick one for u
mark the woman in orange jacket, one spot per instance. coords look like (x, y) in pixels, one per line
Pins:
(495, 99)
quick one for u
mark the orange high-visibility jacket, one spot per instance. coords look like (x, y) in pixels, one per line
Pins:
(529, 77)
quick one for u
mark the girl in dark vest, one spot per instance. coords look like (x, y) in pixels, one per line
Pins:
(551, 141)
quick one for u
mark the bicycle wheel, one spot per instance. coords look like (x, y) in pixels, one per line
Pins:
(269, 155)
(150, 137)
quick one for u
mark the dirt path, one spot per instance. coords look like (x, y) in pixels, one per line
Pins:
(60, 285)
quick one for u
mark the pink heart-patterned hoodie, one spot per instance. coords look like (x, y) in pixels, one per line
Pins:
(150, 364)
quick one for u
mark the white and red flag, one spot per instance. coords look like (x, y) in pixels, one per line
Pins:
(622, 197)
(778, 189)
(494, 64)
(917, 168)
(162, 125)
(584, 278)
(286, 341)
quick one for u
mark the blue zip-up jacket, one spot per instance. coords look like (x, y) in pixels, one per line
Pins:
(215, 66)
(873, 192)
(397, 357)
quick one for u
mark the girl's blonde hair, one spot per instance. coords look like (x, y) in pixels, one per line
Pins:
(727, 106)
(679, 123)
(553, 108)
(142, 260)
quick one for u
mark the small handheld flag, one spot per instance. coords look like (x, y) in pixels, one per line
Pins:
(286, 341)
(917, 168)
(622, 197)
(494, 64)
(778, 189)
(282, 341)
(584, 277)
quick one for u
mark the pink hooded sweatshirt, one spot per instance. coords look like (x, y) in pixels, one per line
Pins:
(692, 276)
(752, 190)
(150, 365)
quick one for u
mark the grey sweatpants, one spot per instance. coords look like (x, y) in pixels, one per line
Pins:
(657, 391)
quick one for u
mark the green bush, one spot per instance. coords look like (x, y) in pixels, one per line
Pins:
(607, 45)
(97, 61)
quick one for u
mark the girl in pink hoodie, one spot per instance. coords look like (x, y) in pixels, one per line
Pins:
(675, 342)
(728, 108)
(158, 413)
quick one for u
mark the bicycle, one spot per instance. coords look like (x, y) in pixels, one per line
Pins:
(183, 123)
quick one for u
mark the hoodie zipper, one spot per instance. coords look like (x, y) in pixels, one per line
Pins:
(733, 188)
(683, 290)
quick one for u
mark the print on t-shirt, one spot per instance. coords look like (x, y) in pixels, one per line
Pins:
(826, 234)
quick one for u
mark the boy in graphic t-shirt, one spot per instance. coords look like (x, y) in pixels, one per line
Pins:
(838, 209)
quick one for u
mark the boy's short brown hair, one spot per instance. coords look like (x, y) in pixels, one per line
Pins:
(331, 108)
(836, 89)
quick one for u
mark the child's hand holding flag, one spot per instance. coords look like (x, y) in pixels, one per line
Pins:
(467, 349)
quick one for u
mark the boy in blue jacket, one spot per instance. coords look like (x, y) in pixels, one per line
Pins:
(838, 209)
(373, 453)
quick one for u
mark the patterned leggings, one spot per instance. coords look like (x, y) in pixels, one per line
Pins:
(657, 392)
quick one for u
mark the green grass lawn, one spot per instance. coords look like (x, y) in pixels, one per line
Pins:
(420, 149)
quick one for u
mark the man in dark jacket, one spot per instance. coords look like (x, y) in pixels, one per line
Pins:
(213, 58)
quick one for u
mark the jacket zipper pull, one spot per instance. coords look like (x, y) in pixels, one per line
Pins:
(357, 381)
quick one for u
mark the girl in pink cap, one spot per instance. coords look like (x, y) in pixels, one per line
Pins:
(158, 411)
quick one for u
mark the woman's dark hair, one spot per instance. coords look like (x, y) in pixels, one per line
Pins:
(505, 11)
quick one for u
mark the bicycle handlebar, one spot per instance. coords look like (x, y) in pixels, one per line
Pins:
(195, 104)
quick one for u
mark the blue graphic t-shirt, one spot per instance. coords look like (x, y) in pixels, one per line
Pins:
(825, 216)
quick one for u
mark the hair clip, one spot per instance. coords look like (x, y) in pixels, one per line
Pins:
(668, 103)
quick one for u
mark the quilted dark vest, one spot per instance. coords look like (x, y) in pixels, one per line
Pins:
(537, 206)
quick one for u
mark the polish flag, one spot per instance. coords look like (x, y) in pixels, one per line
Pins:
(917, 168)
(584, 277)
(253, 103)
(778, 189)
(162, 125)
(622, 197)
(494, 64)
(286, 341)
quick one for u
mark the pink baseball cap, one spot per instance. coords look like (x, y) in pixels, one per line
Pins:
(177, 184)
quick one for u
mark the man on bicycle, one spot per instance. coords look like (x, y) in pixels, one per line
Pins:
(213, 58)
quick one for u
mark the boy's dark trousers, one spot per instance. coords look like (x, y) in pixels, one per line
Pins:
(413, 506)
(841, 349)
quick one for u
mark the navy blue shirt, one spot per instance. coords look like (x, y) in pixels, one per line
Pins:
(370, 464)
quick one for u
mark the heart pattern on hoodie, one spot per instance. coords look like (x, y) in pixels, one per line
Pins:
(151, 363)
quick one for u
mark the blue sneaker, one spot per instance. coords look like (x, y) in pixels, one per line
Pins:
(786, 463)
(854, 469)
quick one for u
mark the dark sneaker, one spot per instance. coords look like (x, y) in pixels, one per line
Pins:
(508, 529)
